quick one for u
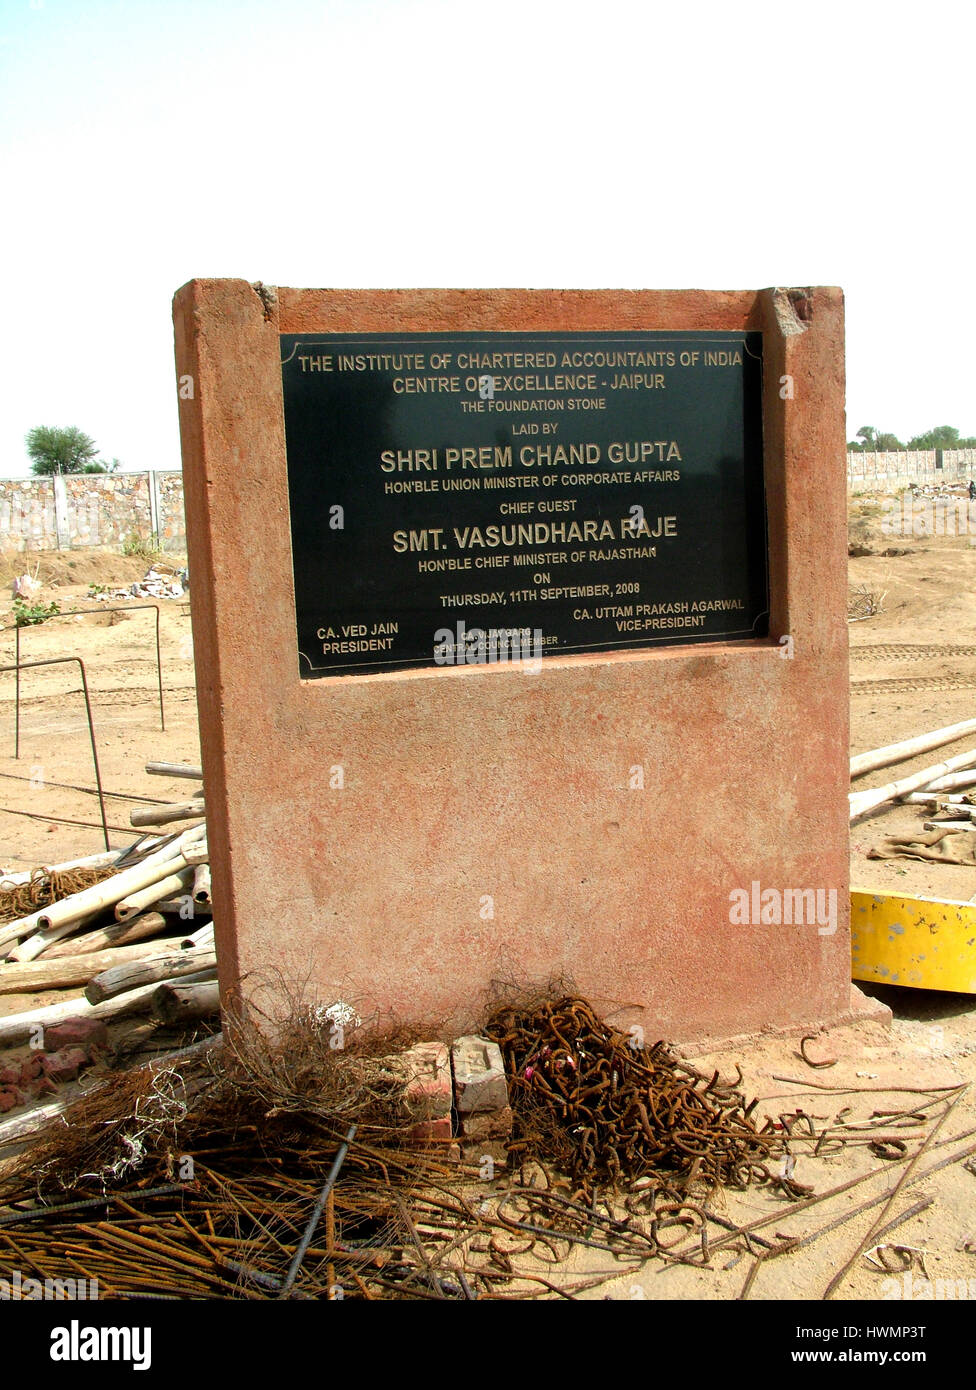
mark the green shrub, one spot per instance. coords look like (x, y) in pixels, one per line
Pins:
(26, 614)
(146, 549)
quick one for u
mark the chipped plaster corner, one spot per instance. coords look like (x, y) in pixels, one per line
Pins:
(268, 297)
(793, 309)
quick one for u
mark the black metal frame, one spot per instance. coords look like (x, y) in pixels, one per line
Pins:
(70, 613)
(60, 661)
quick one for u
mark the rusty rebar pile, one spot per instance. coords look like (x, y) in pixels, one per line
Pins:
(608, 1110)
(46, 886)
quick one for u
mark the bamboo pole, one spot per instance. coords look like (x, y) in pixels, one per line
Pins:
(114, 889)
(183, 907)
(117, 979)
(134, 903)
(61, 918)
(861, 802)
(204, 936)
(28, 925)
(105, 938)
(899, 752)
(23, 1126)
(197, 853)
(952, 782)
(934, 799)
(63, 972)
(201, 885)
(79, 906)
(17, 1028)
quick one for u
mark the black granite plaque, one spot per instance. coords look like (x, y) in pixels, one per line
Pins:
(467, 498)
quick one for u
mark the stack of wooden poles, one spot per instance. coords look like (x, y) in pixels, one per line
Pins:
(940, 785)
(140, 940)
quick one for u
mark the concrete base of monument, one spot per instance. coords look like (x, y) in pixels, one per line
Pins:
(862, 1009)
(273, 998)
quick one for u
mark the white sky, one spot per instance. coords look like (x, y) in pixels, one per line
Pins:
(417, 143)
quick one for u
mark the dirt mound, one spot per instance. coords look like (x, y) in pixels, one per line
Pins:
(58, 568)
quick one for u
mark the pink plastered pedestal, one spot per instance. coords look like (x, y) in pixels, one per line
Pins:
(475, 785)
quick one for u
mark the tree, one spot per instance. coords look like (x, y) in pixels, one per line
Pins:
(870, 440)
(102, 466)
(942, 437)
(53, 450)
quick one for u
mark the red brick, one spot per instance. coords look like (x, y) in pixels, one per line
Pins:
(66, 1064)
(479, 1075)
(426, 1070)
(431, 1129)
(90, 1033)
(494, 1124)
(31, 1068)
(9, 1097)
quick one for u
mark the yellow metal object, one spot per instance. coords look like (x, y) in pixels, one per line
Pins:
(927, 943)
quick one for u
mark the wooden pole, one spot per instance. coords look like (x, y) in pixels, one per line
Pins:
(933, 798)
(27, 925)
(117, 979)
(90, 861)
(180, 881)
(201, 886)
(164, 815)
(18, 1028)
(185, 1002)
(63, 972)
(862, 802)
(954, 779)
(204, 936)
(175, 770)
(90, 900)
(116, 934)
(898, 752)
(61, 918)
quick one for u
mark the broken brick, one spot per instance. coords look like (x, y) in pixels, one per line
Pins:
(492, 1124)
(9, 1097)
(479, 1075)
(89, 1033)
(31, 1068)
(426, 1070)
(66, 1064)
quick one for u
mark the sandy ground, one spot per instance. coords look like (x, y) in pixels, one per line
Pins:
(913, 668)
(53, 782)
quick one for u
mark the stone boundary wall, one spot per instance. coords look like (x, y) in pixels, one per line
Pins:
(897, 469)
(92, 509)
